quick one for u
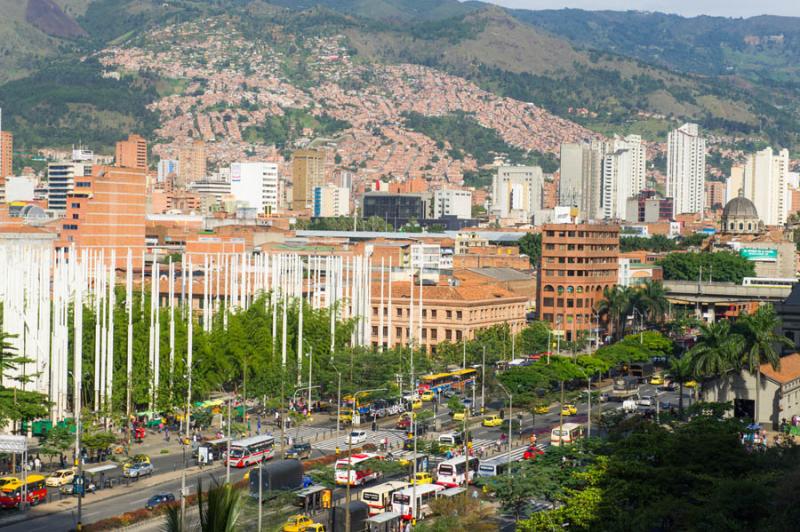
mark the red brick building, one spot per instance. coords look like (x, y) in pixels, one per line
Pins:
(578, 262)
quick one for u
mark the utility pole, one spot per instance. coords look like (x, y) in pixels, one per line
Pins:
(561, 417)
(260, 490)
(483, 381)
(310, 353)
(228, 456)
(589, 405)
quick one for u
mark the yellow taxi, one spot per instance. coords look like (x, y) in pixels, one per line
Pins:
(492, 421)
(461, 416)
(421, 478)
(690, 384)
(568, 409)
(416, 404)
(60, 478)
(315, 527)
(657, 380)
(541, 409)
(297, 523)
(427, 395)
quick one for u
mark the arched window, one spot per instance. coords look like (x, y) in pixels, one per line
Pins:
(579, 289)
(741, 226)
(548, 288)
(560, 290)
(749, 227)
(570, 289)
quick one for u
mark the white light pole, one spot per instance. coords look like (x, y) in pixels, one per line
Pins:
(338, 398)
(510, 415)
(483, 381)
(350, 459)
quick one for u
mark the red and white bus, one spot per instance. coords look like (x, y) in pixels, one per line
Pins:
(360, 467)
(11, 492)
(454, 472)
(252, 450)
(379, 498)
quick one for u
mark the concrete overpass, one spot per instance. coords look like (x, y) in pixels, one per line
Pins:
(708, 300)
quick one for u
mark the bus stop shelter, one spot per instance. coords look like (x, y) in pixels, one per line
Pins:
(384, 522)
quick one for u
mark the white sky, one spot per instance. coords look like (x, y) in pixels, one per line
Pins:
(726, 8)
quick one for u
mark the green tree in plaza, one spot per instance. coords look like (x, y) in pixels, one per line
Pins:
(681, 370)
(759, 331)
(57, 441)
(716, 351)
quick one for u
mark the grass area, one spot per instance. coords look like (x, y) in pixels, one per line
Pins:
(169, 86)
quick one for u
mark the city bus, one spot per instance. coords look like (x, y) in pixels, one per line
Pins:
(435, 382)
(464, 377)
(414, 502)
(252, 450)
(496, 466)
(11, 492)
(456, 471)
(568, 434)
(360, 466)
(379, 498)
(211, 450)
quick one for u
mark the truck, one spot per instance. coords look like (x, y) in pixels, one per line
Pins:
(359, 513)
(281, 475)
(641, 370)
(625, 388)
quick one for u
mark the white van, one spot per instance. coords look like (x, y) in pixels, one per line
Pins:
(567, 434)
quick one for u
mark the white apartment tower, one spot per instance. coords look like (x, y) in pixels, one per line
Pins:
(256, 184)
(456, 203)
(331, 201)
(517, 192)
(581, 177)
(686, 169)
(623, 175)
(766, 184)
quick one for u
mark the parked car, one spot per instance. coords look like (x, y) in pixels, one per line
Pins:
(357, 436)
(138, 470)
(159, 499)
(60, 478)
(137, 459)
(646, 400)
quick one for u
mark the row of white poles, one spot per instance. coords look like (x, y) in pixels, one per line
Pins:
(40, 287)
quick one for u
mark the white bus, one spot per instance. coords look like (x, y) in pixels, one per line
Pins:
(379, 498)
(452, 473)
(252, 450)
(568, 434)
(493, 467)
(360, 468)
(414, 502)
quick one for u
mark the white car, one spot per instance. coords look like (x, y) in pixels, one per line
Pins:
(60, 478)
(357, 436)
(646, 400)
(629, 405)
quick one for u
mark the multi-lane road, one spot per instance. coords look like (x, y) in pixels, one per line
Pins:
(123, 497)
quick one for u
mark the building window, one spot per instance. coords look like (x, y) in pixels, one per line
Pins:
(458, 314)
(433, 314)
(449, 314)
(83, 184)
(399, 313)
(75, 216)
(75, 205)
(434, 334)
(398, 332)
(448, 334)
(547, 302)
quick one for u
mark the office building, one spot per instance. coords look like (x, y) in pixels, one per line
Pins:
(61, 181)
(209, 187)
(623, 175)
(581, 177)
(308, 172)
(132, 153)
(331, 201)
(192, 163)
(686, 169)
(166, 167)
(766, 184)
(715, 195)
(648, 206)
(6, 154)
(256, 184)
(107, 210)
(456, 203)
(395, 209)
(20, 188)
(578, 262)
(517, 192)
(735, 182)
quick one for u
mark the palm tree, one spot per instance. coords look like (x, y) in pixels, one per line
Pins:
(717, 350)
(8, 356)
(219, 513)
(758, 330)
(653, 301)
(680, 371)
(615, 305)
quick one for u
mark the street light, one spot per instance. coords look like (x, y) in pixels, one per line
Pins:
(350, 458)
(641, 323)
(338, 397)
(483, 381)
(510, 415)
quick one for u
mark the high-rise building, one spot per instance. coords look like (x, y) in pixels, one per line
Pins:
(578, 262)
(107, 210)
(715, 195)
(456, 203)
(192, 162)
(686, 169)
(331, 201)
(517, 192)
(308, 172)
(734, 183)
(623, 175)
(166, 167)
(132, 153)
(581, 177)
(766, 176)
(61, 178)
(6, 154)
(395, 209)
(256, 184)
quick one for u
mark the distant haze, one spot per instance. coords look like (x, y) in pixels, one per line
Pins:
(689, 8)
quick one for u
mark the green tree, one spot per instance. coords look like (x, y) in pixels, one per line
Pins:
(652, 301)
(615, 305)
(680, 371)
(760, 338)
(717, 350)
(531, 245)
(57, 441)
(721, 266)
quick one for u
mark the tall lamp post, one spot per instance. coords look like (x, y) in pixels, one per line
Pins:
(510, 415)
(338, 397)
(350, 460)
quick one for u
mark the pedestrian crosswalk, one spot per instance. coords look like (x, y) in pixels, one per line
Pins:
(394, 437)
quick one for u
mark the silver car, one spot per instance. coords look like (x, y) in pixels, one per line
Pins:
(139, 470)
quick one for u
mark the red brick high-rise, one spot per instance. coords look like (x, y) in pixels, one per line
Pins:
(578, 262)
(132, 153)
(107, 211)
(6, 155)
